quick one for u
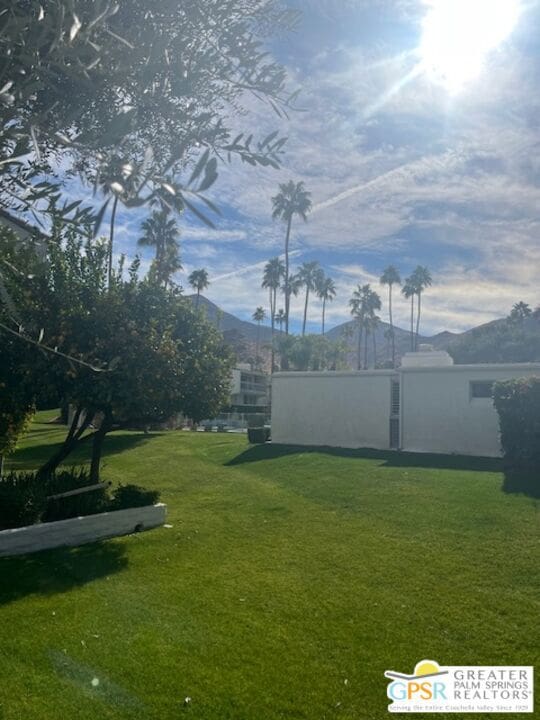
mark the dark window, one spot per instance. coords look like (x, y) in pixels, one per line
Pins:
(394, 433)
(482, 388)
(394, 400)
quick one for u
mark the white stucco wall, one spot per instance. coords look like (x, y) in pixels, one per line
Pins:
(337, 409)
(439, 415)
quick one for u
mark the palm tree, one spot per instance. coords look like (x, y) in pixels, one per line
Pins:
(310, 275)
(326, 291)
(280, 318)
(364, 302)
(274, 271)
(199, 281)
(258, 316)
(160, 231)
(391, 277)
(421, 280)
(409, 291)
(292, 199)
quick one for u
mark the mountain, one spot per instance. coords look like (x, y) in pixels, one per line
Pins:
(242, 336)
(231, 322)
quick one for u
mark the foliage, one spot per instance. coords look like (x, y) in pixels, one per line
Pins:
(131, 496)
(161, 231)
(500, 341)
(22, 499)
(150, 93)
(312, 352)
(292, 200)
(147, 354)
(518, 404)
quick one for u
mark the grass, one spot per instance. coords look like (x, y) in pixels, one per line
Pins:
(291, 579)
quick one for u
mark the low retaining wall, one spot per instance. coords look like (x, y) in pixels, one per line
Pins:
(80, 530)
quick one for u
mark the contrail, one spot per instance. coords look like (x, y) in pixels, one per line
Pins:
(407, 170)
(247, 268)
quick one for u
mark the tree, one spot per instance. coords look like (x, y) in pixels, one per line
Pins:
(258, 316)
(160, 231)
(292, 200)
(421, 279)
(274, 272)
(309, 275)
(159, 91)
(280, 318)
(391, 277)
(363, 303)
(520, 312)
(409, 292)
(326, 291)
(198, 280)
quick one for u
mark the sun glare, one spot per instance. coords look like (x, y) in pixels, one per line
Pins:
(459, 35)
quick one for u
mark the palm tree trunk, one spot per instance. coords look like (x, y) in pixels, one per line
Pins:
(412, 323)
(272, 324)
(257, 346)
(391, 326)
(198, 295)
(359, 357)
(374, 349)
(418, 318)
(305, 312)
(287, 283)
(366, 350)
(323, 309)
(111, 239)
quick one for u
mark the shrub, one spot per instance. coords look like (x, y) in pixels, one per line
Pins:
(258, 434)
(87, 503)
(22, 500)
(518, 404)
(130, 496)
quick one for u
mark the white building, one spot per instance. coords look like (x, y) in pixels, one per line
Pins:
(427, 405)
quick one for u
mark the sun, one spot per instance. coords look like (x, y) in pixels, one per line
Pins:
(459, 35)
(426, 667)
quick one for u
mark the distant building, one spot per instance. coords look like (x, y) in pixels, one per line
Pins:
(249, 388)
(427, 405)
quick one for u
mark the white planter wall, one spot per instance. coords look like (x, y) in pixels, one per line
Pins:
(80, 530)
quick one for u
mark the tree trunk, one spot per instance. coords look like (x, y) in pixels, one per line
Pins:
(1, 466)
(418, 319)
(391, 326)
(257, 346)
(323, 309)
(97, 447)
(287, 284)
(111, 239)
(69, 444)
(374, 349)
(272, 324)
(412, 323)
(366, 350)
(197, 301)
(305, 312)
(359, 357)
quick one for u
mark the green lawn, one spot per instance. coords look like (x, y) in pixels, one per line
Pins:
(289, 582)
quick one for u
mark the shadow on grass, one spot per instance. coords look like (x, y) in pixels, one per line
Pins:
(389, 458)
(59, 570)
(33, 456)
(524, 482)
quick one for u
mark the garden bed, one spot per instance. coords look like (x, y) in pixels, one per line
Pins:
(81, 530)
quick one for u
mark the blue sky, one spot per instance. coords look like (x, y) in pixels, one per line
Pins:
(402, 168)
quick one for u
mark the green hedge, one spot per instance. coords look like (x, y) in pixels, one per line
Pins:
(518, 404)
